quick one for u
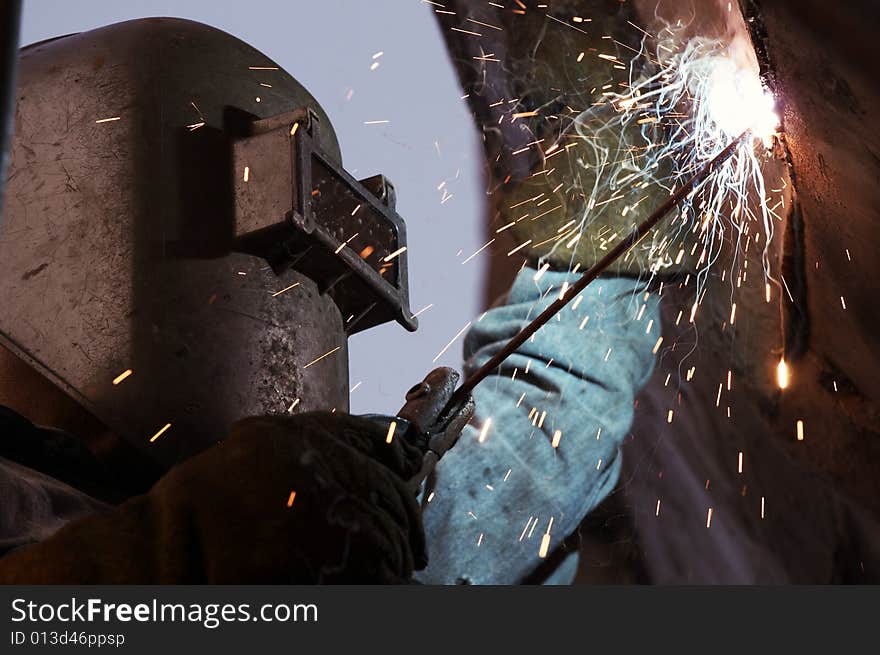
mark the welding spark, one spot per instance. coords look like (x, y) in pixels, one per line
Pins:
(160, 432)
(394, 254)
(288, 288)
(327, 354)
(422, 310)
(782, 375)
(451, 341)
(391, 428)
(545, 540)
(484, 432)
(122, 376)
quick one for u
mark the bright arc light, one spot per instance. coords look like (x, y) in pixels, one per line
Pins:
(739, 102)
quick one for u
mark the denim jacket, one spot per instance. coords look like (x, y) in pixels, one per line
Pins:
(543, 449)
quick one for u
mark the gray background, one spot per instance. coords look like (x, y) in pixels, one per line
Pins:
(329, 46)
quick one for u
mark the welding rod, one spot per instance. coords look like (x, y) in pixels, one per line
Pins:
(461, 394)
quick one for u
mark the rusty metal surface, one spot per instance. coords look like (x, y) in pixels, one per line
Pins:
(822, 61)
(115, 253)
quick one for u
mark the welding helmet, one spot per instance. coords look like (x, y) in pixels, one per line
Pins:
(181, 245)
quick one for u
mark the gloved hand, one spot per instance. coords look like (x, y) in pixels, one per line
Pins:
(426, 410)
(314, 498)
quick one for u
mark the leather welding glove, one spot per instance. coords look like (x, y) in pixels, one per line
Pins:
(314, 498)
(560, 168)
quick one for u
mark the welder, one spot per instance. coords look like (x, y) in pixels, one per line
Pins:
(184, 250)
(181, 248)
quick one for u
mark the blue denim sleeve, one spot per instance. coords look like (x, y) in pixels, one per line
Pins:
(543, 449)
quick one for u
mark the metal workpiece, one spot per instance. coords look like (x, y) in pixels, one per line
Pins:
(173, 256)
